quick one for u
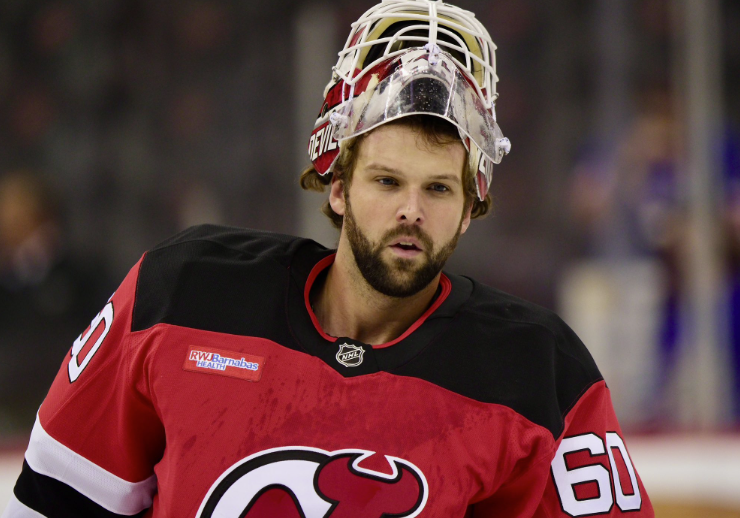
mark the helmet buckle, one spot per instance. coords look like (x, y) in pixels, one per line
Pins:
(338, 120)
(433, 50)
(503, 146)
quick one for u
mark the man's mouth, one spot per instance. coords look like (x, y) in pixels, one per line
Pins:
(407, 245)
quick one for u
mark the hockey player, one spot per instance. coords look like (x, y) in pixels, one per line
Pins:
(239, 373)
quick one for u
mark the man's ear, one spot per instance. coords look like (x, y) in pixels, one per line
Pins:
(466, 219)
(336, 195)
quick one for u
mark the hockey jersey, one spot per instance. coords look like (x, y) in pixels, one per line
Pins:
(206, 388)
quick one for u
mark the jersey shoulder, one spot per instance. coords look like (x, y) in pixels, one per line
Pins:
(210, 276)
(494, 308)
(504, 350)
(540, 349)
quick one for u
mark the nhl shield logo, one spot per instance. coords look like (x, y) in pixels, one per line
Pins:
(350, 355)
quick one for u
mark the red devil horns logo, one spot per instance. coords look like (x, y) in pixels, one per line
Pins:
(311, 483)
(358, 493)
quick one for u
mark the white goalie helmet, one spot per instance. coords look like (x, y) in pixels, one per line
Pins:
(408, 57)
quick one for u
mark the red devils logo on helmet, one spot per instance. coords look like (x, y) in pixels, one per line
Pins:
(300, 482)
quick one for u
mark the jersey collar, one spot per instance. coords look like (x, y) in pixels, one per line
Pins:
(310, 261)
(445, 289)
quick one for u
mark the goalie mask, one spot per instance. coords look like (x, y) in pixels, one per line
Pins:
(411, 57)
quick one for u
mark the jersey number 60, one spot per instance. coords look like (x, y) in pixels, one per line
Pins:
(76, 367)
(566, 480)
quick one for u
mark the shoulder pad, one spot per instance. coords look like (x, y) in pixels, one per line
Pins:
(212, 277)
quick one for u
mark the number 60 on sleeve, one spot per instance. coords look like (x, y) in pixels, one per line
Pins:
(592, 489)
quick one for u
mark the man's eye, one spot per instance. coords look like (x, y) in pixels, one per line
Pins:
(438, 187)
(386, 181)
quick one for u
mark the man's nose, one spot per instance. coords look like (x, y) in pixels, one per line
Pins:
(411, 210)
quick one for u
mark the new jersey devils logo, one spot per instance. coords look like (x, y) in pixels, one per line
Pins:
(303, 482)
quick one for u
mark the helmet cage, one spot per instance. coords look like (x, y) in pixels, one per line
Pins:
(470, 38)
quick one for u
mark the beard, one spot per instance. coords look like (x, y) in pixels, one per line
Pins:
(398, 277)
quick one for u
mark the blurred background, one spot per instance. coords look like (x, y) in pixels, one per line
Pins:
(123, 122)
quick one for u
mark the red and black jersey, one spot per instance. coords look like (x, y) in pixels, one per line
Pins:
(206, 388)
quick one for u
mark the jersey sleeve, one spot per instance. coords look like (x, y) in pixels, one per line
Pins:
(591, 472)
(97, 435)
(587, 473)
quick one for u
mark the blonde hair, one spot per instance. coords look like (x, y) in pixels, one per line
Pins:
(435, 131)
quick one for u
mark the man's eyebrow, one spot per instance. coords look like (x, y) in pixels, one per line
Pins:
(448, 177)
(387, 169)
(398, 172)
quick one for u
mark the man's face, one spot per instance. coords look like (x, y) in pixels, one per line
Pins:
(404, 210)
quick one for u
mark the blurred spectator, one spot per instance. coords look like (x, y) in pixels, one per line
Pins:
(626, 196)
(47, 297)
(627, 209)
(628, 215)
(195, 203)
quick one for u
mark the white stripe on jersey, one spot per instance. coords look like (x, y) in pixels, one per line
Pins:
(16, 509)
(47, 456)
